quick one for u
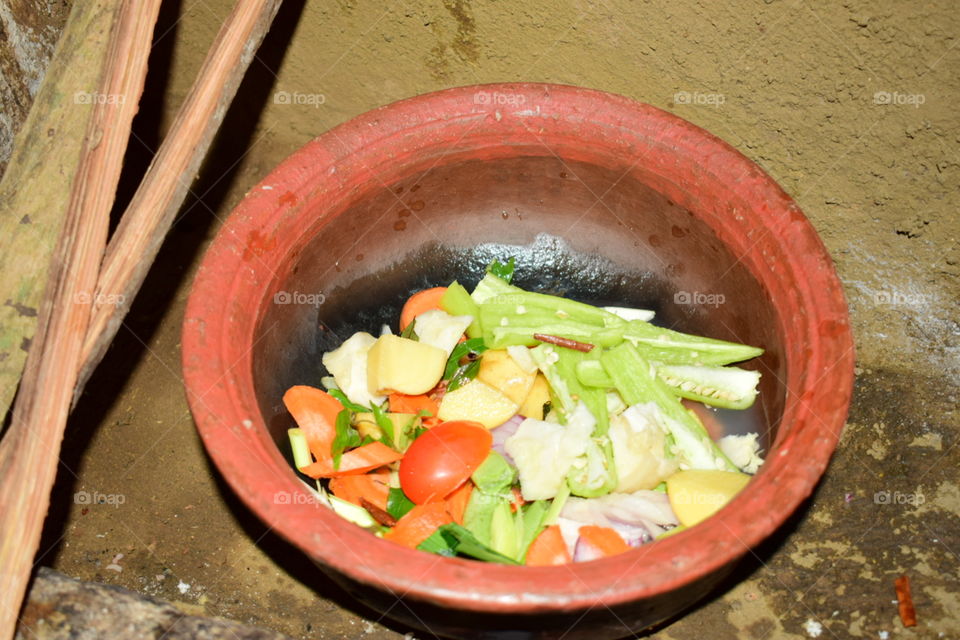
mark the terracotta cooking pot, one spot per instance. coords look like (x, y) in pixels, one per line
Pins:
(599, 198)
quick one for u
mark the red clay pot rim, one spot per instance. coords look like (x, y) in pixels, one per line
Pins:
(218, 367)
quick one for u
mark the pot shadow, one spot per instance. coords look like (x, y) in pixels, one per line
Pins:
(291, 560)
(294, 561)
(179, 249)
(753, 561)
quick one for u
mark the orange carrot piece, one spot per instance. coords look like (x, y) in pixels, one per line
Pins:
(419, 302)
(517, 501)
(371, 486)
(604, 539)
(419, 524)
(402, 403)
(457, 501)
(548, 549)
(315, 412)
(359, 460)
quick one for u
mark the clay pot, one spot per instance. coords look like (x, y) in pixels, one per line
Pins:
(599, 198)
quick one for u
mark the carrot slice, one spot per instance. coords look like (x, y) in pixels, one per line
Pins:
(372, 487)
(548, 549)
(457, 501)
(419, 523)
(517, 500)
(604, 539)
(402, 403)
(315, 412)
(419, 302)
(359, 460)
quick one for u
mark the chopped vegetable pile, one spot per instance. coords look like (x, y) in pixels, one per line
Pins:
(517, 427)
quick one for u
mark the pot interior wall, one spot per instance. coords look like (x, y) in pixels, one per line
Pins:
(583, 231)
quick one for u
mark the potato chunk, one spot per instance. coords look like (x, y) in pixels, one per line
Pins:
(539, 395)
(499, 370)
(696, 494)
(479, 402)
(403, 365)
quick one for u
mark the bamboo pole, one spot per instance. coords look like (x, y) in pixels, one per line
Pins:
(34, 191)
(28, 452)
(151, 212)
(77, 320)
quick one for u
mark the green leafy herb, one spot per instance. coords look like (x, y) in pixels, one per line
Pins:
(464, 374)
(398, 504)
(345, 401)
(501, 270)
(386, 425)
(346, 438)
(419, 431)
(475, 346)
(465, 543)
(409, 332)
(439, 544)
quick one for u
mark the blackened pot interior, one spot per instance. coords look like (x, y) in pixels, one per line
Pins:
(578, 230)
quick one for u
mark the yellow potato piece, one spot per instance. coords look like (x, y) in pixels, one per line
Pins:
(403, 365)
(366, 425)
(499, 370)
(697, 494)
(479, 402)
(532, 405)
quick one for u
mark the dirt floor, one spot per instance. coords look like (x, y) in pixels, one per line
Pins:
(850, 106)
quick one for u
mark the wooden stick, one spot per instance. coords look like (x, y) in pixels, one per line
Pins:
(29, 450)
(585, 347)
(148, 218)
(35, 191)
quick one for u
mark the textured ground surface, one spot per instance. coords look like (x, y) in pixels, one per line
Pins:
(850, 106)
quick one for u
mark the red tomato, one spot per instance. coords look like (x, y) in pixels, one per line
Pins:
(442, 459)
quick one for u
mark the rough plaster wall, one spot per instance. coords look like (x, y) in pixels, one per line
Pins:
(29, 30)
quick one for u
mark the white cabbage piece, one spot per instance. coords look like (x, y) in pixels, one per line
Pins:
(544, 451)
(521, 355)
(638, 448)
(348, 366)
(440, 329)
(743, 451)
(628, 313)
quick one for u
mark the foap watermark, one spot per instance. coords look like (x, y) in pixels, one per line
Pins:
(499, 99)
(687, 497)
(699, 298)
(697, 98)
(298, 497)
(899, 498)
(100, 299)
(899, 99)
(93, 97)
(900, 298)
(298, 297)
(87, 498)
(506, 298)
(296, 98)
